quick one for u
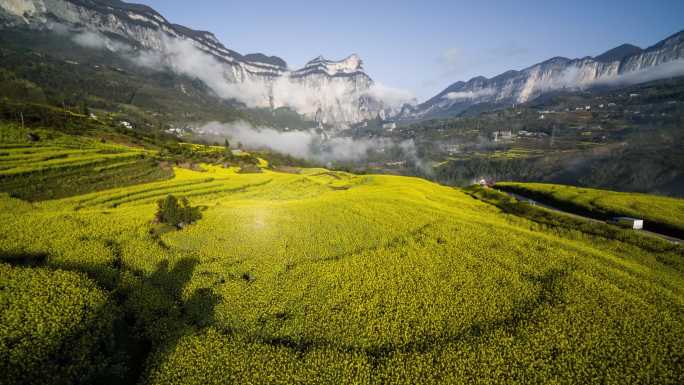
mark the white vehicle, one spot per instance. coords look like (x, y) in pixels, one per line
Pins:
(630, 223)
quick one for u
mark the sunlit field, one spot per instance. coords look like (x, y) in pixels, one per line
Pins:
(197, 193)
(323, 277)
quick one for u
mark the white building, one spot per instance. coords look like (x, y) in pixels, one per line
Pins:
(389, 126)
(501, 136)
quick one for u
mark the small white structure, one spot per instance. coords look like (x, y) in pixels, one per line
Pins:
(484, 182)
(178, 131)
(389, 126)
(630, 223)
(396, 164)
(501, 136)
(127, 125)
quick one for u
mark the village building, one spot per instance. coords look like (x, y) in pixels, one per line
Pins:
(389, 126)
(502, 136)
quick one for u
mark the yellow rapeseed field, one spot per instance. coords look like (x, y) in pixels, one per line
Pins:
(326, 277)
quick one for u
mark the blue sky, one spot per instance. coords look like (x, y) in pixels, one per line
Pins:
(423, 46)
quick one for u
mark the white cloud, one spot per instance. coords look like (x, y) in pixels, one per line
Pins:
(671, 69)
(578, 78)
(94, 40)
(296, 143)
(391, 97)
(58, 28)
(464, 95)
(306, 144)
(231, 82)
(90, 40)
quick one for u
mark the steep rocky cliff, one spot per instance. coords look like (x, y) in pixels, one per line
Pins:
(331, 92)
(622, 65)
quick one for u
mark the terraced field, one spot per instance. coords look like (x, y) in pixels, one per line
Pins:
(57, 168)
(324, 277)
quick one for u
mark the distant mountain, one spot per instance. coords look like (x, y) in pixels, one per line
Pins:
(330, 92)
(619, 53)
(626, 64)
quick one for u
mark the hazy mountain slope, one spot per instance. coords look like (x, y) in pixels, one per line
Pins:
(622, 65)
(47, 68)
(338, 94)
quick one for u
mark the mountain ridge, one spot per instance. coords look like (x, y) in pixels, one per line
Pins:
(518, 86)
(619, 53)
(331, 92)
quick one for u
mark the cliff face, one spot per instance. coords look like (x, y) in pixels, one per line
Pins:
(332, 92)
(624, 64)
(339, 90)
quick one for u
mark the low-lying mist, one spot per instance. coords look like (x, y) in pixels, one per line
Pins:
(310, 144)
(187, 57)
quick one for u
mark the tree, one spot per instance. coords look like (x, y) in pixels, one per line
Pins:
(175, 212)
(85, 110)
(226, 144)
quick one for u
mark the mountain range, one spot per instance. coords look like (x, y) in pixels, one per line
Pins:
(331, 93)
(623, 65)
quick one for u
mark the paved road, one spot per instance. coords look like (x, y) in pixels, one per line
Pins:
(521, 198)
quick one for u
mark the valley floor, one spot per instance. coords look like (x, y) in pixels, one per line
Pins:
(327, 277)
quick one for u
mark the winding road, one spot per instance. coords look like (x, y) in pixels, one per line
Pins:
(521, 198)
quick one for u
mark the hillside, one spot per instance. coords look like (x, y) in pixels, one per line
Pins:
(622, 65)
(312, 276)
(333, 93)
(660, 213)
(625, 139)
(620, 138)
(50, 68)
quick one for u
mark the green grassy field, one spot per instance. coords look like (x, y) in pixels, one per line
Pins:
(323, 277)
(665, 212)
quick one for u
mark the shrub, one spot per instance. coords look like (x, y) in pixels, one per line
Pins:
(175, 212)
(249, 168)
